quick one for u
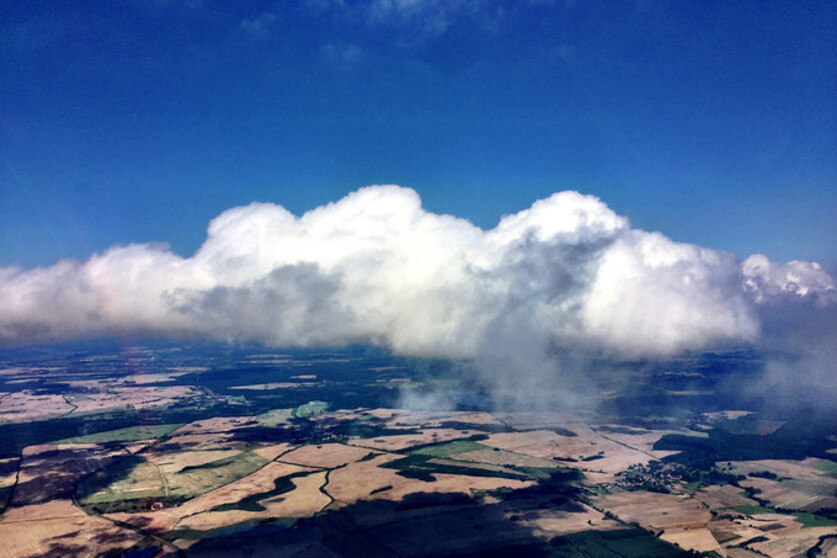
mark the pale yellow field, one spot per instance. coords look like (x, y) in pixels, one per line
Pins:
(398, 442)
(57, 528)
(358, 480)
(260, 481)
(326, 456)
(303, 501)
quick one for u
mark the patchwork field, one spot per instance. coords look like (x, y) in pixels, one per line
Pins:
(807, 485)
(281, 455)
(58, 528)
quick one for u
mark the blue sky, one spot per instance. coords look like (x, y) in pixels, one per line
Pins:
(139, 121)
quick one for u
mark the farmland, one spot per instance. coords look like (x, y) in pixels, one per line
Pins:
(312, 454)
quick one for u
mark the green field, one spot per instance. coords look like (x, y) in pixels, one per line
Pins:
(131, 483)
(813, 520)
(311, 408)
(130, 434)
(123, 486)
(827, 466)
(753, 510)
(450, 448)
(275, 417)
(622, 543)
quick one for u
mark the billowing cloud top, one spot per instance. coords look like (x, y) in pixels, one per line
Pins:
(375, 267)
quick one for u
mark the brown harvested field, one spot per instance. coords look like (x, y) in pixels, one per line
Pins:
(587, 444)
(48, 471)
(57, 528)
(700, 540)
(657, 511)
(326, 456)
(259, 482)
(303, 501)
(724, 496)
(358, 481)
(398, 442)
(803, 485)
(792, 545)
(273, 451)
(24, 406)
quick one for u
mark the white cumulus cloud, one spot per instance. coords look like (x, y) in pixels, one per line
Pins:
(375, 267)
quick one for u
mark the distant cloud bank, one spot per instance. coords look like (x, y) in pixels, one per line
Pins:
(375, 267)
